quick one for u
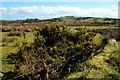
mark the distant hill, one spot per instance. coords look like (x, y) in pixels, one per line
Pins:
(66, 20)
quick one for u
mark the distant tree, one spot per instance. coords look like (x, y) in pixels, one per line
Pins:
(29, 20)
(36, 19)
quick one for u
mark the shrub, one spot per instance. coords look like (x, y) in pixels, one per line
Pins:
(55, 53)
(5, 39)
(9, 39)
(14, 34)
(6, 30)
(4, 44)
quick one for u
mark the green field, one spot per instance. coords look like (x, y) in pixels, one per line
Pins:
(92, 27)
(11, 44)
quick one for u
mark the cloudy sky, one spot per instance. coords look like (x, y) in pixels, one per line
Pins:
(45, 10)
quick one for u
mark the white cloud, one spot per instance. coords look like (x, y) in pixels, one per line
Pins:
(57, 11)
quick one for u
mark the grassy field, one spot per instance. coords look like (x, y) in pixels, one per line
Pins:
(92, 27)
(11, 44)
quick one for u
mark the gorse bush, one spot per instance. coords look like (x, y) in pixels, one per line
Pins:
(7, 39)
(14, 34)
(55, 53)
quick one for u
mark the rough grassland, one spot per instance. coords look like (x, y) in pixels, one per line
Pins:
(12, 46)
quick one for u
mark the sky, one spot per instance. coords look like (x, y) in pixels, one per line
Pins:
(47, 10)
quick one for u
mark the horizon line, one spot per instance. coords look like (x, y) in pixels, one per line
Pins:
(58, 17)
